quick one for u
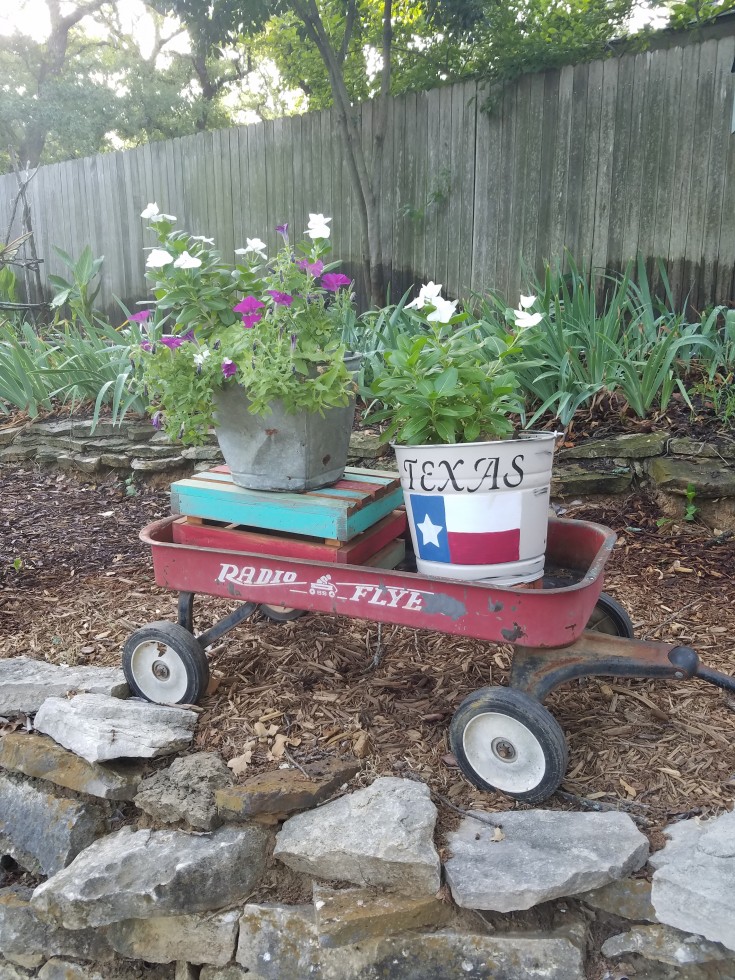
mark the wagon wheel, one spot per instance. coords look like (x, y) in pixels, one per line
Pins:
(281, 614)
(610, 617)
(165, 664)
(505, 740)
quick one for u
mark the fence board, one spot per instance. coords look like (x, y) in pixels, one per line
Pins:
(607, 159)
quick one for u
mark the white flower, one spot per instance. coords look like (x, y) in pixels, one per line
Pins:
(254, 245)
(525, 320)
(318, 227)
(151, 210)
(186, 261)
(527, 302)
(202, 238)
(443, 310)
(163, 217)
(158, 258)
(201, 356)
(428, 293)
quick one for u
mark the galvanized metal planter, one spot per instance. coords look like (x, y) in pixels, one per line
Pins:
(479, 511)
(282, 451)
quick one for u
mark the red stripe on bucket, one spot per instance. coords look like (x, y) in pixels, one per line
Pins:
(490, 548)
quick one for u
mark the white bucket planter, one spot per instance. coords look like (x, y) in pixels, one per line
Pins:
(479, 510)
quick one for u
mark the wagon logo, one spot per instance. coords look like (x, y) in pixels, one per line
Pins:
(323, 586)
(250, 575)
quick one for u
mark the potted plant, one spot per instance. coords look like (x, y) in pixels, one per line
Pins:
(477, 493)
(252, 349)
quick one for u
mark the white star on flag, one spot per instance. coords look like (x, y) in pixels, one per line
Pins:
(430, 531)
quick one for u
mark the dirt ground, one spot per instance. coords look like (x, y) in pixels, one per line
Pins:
(75, 582)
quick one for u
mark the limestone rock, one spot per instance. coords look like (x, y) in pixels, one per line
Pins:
(44, 832)
(573, 479)
(278, 941)
(544, 854)
(26, 683)
(185, 791)
(8, 435)
(639, 445)
(667, 945)
(165, 939)
(710, 478)
(380, 836)
(285, 791)
(712, 449)
(136, 874)
(58, 969)
(99, 728)
(351, 915)
(8, 971)
(22, 933)
(693, 882)
(157, 465)
(366, 445)
(627, 898)
(42, 758)
(231, 972)
(186, 971)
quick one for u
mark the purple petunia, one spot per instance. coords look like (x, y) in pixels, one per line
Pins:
(189, 335)
(279, 298)
(146, 345)
(228, 367)
(172, 342)
(250, 319)
(315, 268)
(333, 281)
(140, 317)
(248, 304)
(283, 230)
(157, 420)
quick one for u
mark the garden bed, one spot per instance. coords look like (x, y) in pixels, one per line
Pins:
(659, 750)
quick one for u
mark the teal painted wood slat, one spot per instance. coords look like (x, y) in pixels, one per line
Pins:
(318, 517)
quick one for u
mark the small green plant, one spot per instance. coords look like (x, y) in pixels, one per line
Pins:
(78, 292)
(8, 285)
(131, 489)
(690, 508)
(17, 564)
(443, 385)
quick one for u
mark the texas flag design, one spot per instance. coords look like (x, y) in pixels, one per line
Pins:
(465, 530)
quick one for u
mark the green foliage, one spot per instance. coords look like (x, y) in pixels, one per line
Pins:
(77, 292)
(690, 508)
(8, 285)
(695, 13)
(286, 346)
(23, 356)
(447, 385)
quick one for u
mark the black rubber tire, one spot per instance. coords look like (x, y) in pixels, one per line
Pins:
(281, 614)
(610, 617)
(184, 655)
(539, 723)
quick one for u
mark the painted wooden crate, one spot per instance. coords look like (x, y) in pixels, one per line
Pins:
(339, 512)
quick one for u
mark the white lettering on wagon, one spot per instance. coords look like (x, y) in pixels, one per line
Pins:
(387, 595)
(250, 575)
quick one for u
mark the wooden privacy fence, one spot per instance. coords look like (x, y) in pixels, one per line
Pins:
(629, 155)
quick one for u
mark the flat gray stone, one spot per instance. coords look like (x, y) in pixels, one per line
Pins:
(544, 854)
(58, 969)
(44, 832)
(99, 728)
(22, 933)
(26, 683)
(231, 972)
(185, 791)
(140, 874)
(710, 477)
(381, 836)
(580, 477)
(667, 945)
(43, 758)
(627, 898)
(198, 453)
(202, 938)
(157, 465)
(278, 941)
(693, 886)
(638, 445)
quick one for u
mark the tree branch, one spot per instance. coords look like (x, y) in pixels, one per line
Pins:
(349, 27)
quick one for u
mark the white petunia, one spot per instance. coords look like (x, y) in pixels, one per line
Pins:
(201, 356)
(163, 217)
(158, 258)
(527, 302)
(151, 210)
(524, 320)
(443, 311)
(318, 226)
(186, 261)
(428, 293)
(202, 238)
(255, 245)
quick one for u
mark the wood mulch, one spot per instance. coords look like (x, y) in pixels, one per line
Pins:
(76, 581)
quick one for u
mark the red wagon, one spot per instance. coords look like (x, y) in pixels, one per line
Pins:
(503, 737)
